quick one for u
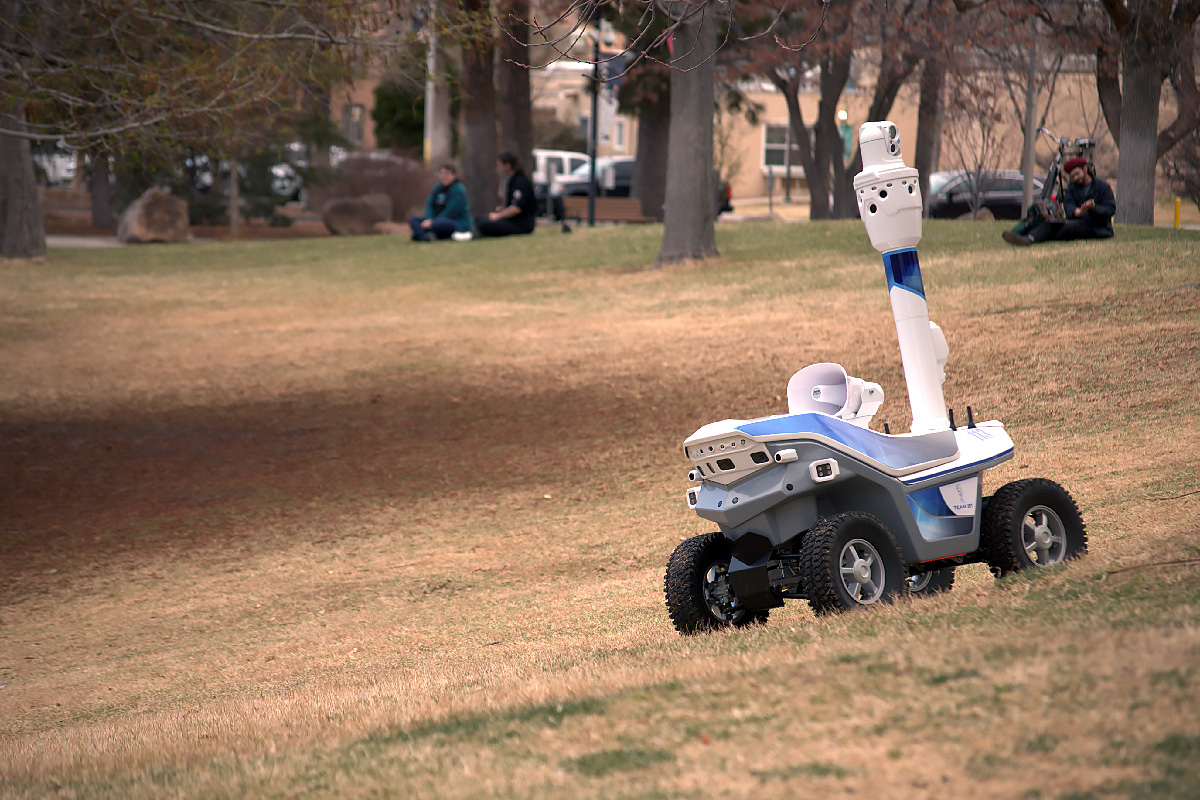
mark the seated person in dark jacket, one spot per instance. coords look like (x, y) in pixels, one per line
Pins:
(446, 210)
(519, 212)
(1089, 204)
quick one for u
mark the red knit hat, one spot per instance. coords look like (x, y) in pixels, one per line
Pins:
(1072, 163)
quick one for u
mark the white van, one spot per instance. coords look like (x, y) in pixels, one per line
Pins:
(549, 165)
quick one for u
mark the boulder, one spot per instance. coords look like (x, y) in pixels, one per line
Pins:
(982, 215)
(354, 216)
(154, 217)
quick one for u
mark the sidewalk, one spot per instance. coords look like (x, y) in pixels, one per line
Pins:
(760, 208)
(62, 240)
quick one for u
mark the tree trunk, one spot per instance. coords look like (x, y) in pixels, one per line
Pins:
(439, 139)
(479, 113)
(1028, 144)
(842, 191)
(1108, 88)
(829, 156)
(818, 192)
(929, 121)
(688, 212)
(22, 231)
(102, 211)
(1187, 98)
(1142, 87)
(650, 170)
(515, 102)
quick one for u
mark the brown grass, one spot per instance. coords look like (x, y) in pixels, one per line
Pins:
(394, 531)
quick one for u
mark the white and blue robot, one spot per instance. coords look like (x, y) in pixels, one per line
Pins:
(816, 505)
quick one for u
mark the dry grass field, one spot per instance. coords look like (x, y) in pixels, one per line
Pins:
(361, 518)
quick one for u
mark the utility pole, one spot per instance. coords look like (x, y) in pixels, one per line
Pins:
(593, 138)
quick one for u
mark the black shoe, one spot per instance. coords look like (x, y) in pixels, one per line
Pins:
(1017, 239)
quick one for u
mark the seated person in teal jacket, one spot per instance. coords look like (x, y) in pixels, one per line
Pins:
(447, 210)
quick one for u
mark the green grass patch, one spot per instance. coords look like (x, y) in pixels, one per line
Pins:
(605, 762)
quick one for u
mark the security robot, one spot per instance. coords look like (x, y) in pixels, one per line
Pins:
(815, 505)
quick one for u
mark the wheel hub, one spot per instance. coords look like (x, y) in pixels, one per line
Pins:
(1043, 536)
(862, 571)
(717, 595)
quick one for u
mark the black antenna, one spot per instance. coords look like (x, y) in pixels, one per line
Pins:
(952, 420)
(970, 418)
(886, 429)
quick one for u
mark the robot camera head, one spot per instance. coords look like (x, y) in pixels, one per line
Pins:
(879, 143)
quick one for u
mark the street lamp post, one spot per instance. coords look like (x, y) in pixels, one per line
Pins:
(592, 139)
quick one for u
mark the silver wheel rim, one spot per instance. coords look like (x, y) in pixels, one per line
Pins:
(718, 596)
(1043, 536)
(917, 583)
(861, 571)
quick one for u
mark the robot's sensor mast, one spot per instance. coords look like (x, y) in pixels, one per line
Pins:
(889, 202)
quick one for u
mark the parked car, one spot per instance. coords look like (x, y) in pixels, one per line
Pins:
(1000, 192)
(550, 164)
(614, 177)
(55, 168)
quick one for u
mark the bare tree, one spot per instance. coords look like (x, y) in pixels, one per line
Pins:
(1028, 63)
(514, 101)
(1155, 43)
(646, 92)
(693, 31)
(479, 106)
(149, 74)
(973, 126)
(21, 231)
(688, 207)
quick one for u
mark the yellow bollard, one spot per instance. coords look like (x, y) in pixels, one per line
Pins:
(1176, 213)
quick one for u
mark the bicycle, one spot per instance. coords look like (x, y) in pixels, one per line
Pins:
(1047, 206)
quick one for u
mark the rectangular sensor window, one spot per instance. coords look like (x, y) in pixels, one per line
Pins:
(821, 471)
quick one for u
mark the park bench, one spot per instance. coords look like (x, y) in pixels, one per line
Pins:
(608, 209)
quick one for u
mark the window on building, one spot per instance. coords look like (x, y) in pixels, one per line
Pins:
(777, 141)
(353, 117)
(619, 135)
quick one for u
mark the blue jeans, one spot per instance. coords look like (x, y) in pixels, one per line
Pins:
(439, 229)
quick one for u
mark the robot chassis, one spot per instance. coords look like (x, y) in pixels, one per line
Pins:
(815, 505)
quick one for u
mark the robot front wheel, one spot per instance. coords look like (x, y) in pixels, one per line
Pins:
(1031, 524)
(699, 597)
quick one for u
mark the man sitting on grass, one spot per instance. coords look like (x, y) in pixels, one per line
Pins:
(1089, 204)
(518, 215)
(447, 212)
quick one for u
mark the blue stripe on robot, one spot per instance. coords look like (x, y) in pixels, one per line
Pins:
(904, 270)
(936, 519)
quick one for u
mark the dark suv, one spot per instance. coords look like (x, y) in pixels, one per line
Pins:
(952, 193)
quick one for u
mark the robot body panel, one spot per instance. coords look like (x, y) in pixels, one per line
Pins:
(814, 504)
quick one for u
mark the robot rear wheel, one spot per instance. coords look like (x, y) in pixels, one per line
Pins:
(850, 560)
(1031, 523)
